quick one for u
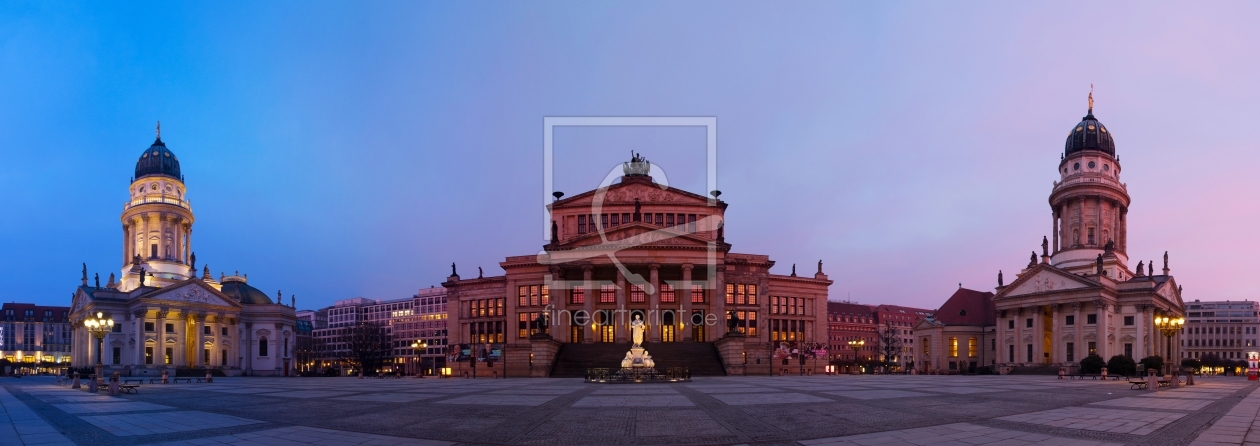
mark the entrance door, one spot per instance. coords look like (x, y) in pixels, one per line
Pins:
(607, 333)
(667, 333)
(576, 334)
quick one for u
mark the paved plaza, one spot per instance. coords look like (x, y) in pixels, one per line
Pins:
(819, 410)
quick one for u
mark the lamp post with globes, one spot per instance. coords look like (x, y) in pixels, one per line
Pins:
(98, 326)
(856, 345)
(1169, 326)
(419, 347)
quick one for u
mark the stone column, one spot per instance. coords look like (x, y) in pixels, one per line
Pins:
(719, 304)
(189, 235)
(124, 245)
(1139, 322)
(1038, 329)
(620, 319)
(144, 237)
(654, 304)
(589, 295)
(686, 302)
(1057, 354)
(1054, 228)
(1103, 330)
(1019, 335)
(159, 338)
(161, 228)
(138, 317)
(1079, 349)
(201, 340)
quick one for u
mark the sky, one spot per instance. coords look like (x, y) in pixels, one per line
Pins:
(355, 149)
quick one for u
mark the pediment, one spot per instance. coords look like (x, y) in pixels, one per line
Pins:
(1028, 338)
(622, 193)
(1068, 337)
(637, 235)
(1091, 336)
(1128, 338)
(1168, 290)
(1045, 279)
(192, 292)
(1010, 339)
(79, 301)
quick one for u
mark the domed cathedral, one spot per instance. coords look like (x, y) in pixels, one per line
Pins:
(1080, 296)
(636, 254)
(166, 316)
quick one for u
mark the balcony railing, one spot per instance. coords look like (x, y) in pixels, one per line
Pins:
(158, 200)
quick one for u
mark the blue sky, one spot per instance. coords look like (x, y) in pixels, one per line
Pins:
(343, 149)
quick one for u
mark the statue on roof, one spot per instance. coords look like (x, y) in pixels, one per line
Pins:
(1141, 271)
(143, 273)
(192, 261)
(1165, 260)
(638, 165)
(110, 284)
(555, 232)
(1109, 247)
(1045, 246)
(85, 273)
(1000, 278)
(638, 215)
(819, 266)
(1150, 268)
(453, 273)
(1099, 263)
(479, 273)
(793, 270)
(98, 280)
(1032, 259)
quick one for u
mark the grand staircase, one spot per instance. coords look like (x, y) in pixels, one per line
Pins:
(701, 358)
(1035, 370)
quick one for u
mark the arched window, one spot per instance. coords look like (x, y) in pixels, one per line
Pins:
(953, 347)
(973, 347)
(262, 346)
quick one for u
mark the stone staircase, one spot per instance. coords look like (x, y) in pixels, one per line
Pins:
(701, 358)
(1035, 370)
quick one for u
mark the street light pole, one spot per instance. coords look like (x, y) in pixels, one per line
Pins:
(98, 326)
(856, 345)
(1169, 326)
(419, 347)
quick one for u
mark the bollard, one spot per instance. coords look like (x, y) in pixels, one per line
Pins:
(76, 385)
(1189, 377)
(92, 387)
(165, 377)
(1152, 381)
(113, 384)
(1104, 374)
(1175, 382)
(209, 378)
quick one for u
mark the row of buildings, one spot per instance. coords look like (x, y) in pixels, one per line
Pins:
(637, 252)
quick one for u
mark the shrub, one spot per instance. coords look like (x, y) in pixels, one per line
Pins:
(1121, 365)
(1153, 362)
(1190, 363)
(1093, 364)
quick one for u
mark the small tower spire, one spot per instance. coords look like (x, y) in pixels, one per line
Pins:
(158, 131)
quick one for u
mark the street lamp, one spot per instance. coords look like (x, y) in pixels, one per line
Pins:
(98, 326)
(1169, 326)
(856, 345)
(419, 347)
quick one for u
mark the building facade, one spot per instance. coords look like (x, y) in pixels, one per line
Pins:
(166, 316)
(901, 321)
(847, 321)
(1225, 329)
(35, 338)
(960, 336)
(636, 251)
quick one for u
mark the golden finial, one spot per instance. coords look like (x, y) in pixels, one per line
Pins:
(1091, 99)
(159, 126)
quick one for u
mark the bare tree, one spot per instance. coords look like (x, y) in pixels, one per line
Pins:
(888, 343)
(369, 346)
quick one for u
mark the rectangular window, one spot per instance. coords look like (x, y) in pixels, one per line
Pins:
(1029, 352)
(148, 326)
(1069, 320)
(148, 355)
(1128, 320)
(1071, 351)
(660, 219)
(117, 355)
(691, 223)
(578, 296)
(1011, 325)
(1093, 348)
(533, 295)
(1091, 319)
(616, 220)
(697, 294)
(1028, 323)
(224, 330)
(206, 356)
(225, 362)
(545, 295)
(522, 296)
(1011, 352)
(205, 330)
(667, 292)
(953, 347)
(581, 224)
(973, 347)
(170, 353)
(607, 294)
(1091, 236)
(730, 294)
(625, 218)
(603, 221)
(669, 219)
(636, 294)
(1128, 350)
(262, 347)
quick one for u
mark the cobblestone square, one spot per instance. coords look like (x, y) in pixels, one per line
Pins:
(815, 410)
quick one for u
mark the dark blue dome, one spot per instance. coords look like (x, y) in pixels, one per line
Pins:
(1089, 134)
(245, 294)
(158, 160)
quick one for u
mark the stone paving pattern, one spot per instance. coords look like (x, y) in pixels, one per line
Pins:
(818, 410)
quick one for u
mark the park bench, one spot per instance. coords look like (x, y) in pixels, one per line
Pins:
(129, 388)
(155, 380)
(1137, 384)
(136, 380)
(186, 380)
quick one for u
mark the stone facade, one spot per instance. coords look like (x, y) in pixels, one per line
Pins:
(635, 248)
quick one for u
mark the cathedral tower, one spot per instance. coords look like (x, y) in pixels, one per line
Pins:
(157, 222)
(1089, 205)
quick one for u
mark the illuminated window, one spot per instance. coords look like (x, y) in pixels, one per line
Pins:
(697, 294)
(953, 347)
(636, 293)
(578, 295)
(667, 292)
(607, 294)
(973, 347)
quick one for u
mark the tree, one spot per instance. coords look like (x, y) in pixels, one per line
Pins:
(888, 343)
(1153, 362)
(369, 346)
(1121, 365)
(1093, 364)
(1190, 363)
